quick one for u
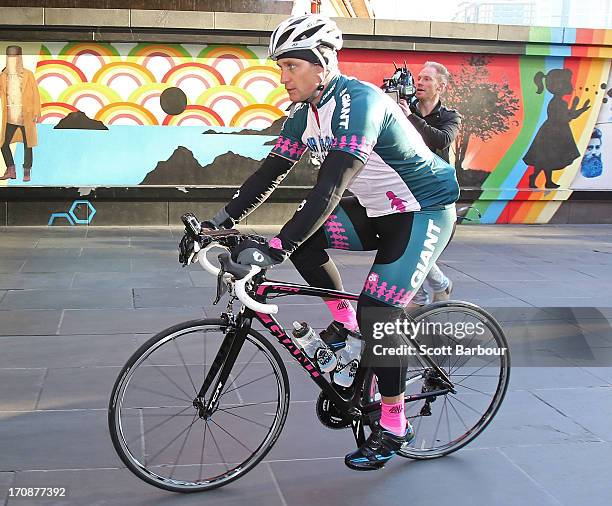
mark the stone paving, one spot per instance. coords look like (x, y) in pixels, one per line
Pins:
(76, 302)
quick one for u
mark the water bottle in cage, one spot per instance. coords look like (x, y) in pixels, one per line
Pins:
(314, 347)
(348, 362)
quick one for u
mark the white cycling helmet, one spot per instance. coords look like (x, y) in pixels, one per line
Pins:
(303, 33)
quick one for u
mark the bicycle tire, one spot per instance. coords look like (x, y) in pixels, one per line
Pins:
(125, 449)
(417, 449)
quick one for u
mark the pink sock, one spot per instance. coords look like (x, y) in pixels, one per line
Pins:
(392, 418)
(344, 312)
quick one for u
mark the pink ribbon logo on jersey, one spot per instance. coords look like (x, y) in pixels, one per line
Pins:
(381, 290)
(288, 147)
(396, 202)
(337, 233)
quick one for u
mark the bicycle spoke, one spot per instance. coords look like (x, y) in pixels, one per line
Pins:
(231, 435)
(185, 365)
(237, 406)
(202, 453)
(218, 449)
(170, 417)
(242, 370)
(195, 419)
(472, 389)
(419, 424)
(178, 458)
(458, 415)
(469, 357)
(439, 421)
(151, 391)
(245, 384)
(159, 369)
(155, 414)
(244, 418)
(466, 405)
(479, 369)
(478, 375)
(447, 418)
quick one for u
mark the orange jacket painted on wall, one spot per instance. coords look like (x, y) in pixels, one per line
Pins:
(31, 108)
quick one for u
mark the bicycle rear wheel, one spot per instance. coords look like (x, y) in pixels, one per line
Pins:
(156, 429)
(452, 420)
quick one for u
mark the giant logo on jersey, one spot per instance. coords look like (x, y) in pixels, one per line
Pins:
(346, 109)
(429, 248)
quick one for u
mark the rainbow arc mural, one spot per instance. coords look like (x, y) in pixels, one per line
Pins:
(120, 85)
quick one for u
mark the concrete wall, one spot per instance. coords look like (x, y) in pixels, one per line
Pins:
(516, 49)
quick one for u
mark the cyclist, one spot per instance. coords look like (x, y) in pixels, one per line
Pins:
(403, 204)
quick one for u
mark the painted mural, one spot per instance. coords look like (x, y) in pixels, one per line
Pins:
(192, 115)
(527, 121)
(131, 114)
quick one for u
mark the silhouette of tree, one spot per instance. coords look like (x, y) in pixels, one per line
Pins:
(487, 107)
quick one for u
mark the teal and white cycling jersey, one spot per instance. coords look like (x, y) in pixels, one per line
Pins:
(400, 173)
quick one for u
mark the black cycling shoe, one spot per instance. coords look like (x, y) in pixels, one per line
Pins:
(378, 449)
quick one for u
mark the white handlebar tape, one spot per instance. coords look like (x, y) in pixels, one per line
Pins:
(243, 297)
(240, 284)
(206, 265)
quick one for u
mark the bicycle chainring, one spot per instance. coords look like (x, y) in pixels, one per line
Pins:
(329, 415)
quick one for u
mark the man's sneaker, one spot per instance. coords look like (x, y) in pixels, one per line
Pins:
(421, 298)
(444, 294)
(378, 449)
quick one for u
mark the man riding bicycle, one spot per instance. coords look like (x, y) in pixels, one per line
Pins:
(402, 204)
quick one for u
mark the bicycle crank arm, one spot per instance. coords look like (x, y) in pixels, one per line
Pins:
(358, 432)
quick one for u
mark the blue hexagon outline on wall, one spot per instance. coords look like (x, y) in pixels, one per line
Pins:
(71, 216)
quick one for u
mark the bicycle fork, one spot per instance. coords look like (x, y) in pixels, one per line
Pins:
(221, 368)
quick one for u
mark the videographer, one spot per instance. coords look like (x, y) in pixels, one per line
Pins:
(439, 127)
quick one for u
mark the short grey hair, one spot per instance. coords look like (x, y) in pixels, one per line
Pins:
(443, 73)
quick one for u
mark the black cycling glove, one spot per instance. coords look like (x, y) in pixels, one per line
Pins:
(253, 252)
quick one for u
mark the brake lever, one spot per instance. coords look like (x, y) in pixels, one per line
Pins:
(221, 288)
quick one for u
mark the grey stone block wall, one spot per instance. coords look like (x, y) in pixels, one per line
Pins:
(36, 213)
(161, 213)
(262, 16)
(87, 17)
(3, 214)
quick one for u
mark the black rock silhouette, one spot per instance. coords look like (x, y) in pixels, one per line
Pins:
(78, 120)
(228, 169)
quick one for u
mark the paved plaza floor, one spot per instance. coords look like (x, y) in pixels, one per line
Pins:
(76, 302)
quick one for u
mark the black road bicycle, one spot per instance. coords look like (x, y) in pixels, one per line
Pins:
(201, 403)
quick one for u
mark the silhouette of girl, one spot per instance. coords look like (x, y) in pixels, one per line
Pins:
(554, 147)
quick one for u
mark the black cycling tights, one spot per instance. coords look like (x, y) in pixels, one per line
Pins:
(407, 244)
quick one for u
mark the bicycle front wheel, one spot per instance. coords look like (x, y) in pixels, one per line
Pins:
(158, 432)
(474, 355)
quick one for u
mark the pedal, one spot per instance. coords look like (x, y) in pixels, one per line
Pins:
(426, 409)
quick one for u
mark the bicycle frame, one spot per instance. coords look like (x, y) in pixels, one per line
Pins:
(232, 344)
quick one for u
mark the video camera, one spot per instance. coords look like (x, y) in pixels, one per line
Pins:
(400, 84)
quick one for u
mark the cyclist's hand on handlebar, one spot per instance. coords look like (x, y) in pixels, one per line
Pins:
(208, 225)
(186, 249)
(264, 254)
